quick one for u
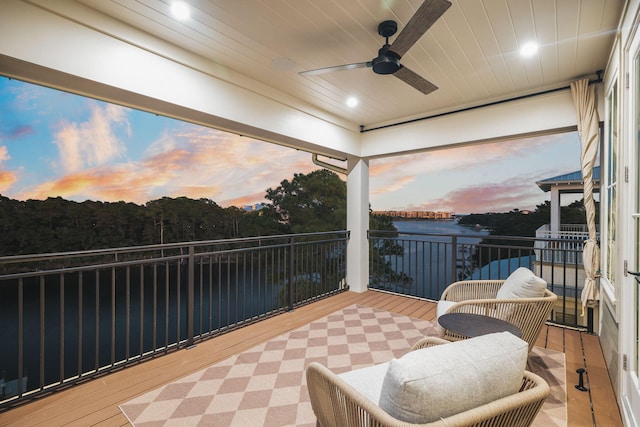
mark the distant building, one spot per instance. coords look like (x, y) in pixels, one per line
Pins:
(415, 214)
(253, 208)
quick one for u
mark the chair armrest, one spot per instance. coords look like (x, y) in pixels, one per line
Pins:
(337, 404)
(528, 314)
(471, 289)
(428, 342)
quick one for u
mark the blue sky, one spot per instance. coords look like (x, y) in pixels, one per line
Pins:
(54, 143)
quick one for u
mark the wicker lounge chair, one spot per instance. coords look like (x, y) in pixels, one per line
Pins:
(479, 297)
(337, 404)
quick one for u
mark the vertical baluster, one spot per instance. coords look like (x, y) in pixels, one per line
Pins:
(210, 293)
(190, 296)
(127, 305)
(291, 274)
(42, 333)
(167, 274)
(80, 305)
(154, 338)
(220, 325)
(236, 290)
(454, 259)
(97, 330)
(201, 300)
(141, 342)
(113, 316)
(61, 348)
(20, 336)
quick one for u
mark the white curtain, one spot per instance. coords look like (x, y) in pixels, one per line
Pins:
(584, 100)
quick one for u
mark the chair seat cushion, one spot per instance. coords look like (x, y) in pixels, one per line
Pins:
(368, 381)
(522, 283)
(443, 306)
(436, 382)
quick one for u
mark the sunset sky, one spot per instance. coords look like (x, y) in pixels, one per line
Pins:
(57, 144)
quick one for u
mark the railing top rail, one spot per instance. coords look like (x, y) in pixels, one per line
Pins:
(385, 233)
(164, 246)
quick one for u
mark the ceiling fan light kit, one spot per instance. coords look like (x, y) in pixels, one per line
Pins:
(389, 55)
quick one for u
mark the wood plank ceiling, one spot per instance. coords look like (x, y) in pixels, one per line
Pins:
(471, 53)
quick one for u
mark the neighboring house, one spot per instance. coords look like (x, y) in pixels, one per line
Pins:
(562, 251)
(234, 66)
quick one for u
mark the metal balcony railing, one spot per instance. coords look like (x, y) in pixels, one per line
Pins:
(567, 242)
(69, 316)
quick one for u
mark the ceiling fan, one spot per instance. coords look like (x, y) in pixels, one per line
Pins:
(388, 59)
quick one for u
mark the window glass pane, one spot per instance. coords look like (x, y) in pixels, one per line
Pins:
(612, 161)
(636, 220)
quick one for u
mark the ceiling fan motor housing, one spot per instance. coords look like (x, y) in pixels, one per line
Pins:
(387, 62)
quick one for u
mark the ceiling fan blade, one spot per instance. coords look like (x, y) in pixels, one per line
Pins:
(420, 22)
(415, 81)
(335, 68)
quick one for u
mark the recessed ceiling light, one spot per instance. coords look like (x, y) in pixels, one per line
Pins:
(180, 10)
(352, 101)
(529, 49)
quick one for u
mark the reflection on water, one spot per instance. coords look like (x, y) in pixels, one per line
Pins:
(430, 260)
(78, 323)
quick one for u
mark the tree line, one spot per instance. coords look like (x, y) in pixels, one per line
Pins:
(525, 223)
(307, 203)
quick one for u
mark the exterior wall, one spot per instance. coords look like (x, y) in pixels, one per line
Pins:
(609, 343)
(618, 305)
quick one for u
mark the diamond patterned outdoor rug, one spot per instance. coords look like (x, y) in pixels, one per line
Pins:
(265, 386)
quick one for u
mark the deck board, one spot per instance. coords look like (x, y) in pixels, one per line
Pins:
(598, 382)
(574, 359)
(96, 402)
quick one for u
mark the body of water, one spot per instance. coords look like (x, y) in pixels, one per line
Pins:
(427, 260)
(449, 226)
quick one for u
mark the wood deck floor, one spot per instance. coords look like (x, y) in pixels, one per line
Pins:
(96, 402)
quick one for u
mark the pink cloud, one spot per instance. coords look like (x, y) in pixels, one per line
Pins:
(198, 191)
(93, 142)
(94, 184)
(200, 163)
(500, 197)
(249, 199)
(395, 185)
(459, 157)
(7, 179)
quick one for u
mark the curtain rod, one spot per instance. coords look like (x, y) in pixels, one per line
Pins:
(419, 119)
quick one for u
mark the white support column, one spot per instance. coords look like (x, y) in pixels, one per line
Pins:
(555, 211)
(358, 224)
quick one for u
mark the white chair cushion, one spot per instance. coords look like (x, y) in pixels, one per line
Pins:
(368, 380)
(443, 306)
(428, 384)
(522, 283)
